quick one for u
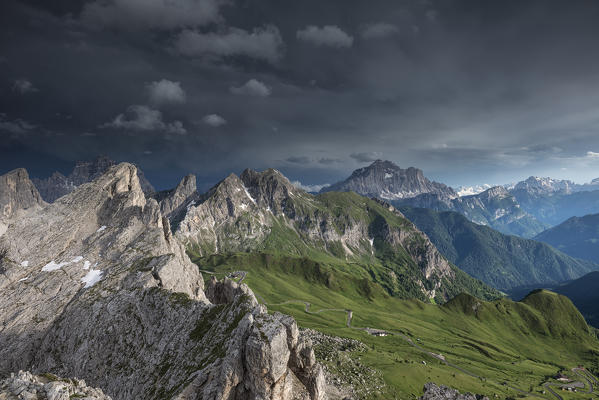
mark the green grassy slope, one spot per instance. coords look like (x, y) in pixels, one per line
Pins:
(499, 260)
(520, 344)
(577, 236)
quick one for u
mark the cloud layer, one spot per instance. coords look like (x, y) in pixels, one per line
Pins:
(143, 118)
(328, 35)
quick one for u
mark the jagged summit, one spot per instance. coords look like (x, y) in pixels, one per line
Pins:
(171, 201)
(17, 195)
(386, 180)
(58, 185)
(538, 185)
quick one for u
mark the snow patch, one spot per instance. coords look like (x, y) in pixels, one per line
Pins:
(24, 279)
(191, 204)
(103, 227)
(387, 175)
(243, 206)
(248, 195)
(25, 264)
(86, 264)
(371, 240)
(472, 190)
(92, 277)
(77, 259)
(52, 266)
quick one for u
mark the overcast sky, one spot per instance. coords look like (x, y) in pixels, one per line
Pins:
(469, 91)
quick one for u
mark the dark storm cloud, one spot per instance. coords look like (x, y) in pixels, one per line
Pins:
(148, 14)
(262, 43)
(470, 91)
(299, 160)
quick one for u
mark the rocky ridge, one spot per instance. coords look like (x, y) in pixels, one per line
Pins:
(182, 196)
(96, 287)
(58, 185)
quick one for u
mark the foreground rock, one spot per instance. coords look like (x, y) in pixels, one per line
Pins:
(434, 392)
(96, 287)
(26, 386)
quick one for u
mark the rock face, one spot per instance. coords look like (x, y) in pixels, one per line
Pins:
(385, 180)
(58, 185)
(26, 386)
(434, 392)
(183, 195)
(96, 287)
(18, 196)
(263, 211)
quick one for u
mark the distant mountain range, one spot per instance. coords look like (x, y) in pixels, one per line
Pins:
(577, 236)
(494, 207)
(547, 186)
(500, 260)
(552, 202)
(58, 185)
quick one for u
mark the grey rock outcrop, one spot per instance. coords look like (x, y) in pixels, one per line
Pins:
(96, 287)
(26, 386)
(58, 185)
(387, 181)
(434, 392)
(18, 196)
(183, 195)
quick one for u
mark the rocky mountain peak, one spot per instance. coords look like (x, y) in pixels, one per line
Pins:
(270, 189)
(538, 185)
(494, 192)
(386, 180)
(17, 194)
(185, 193)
